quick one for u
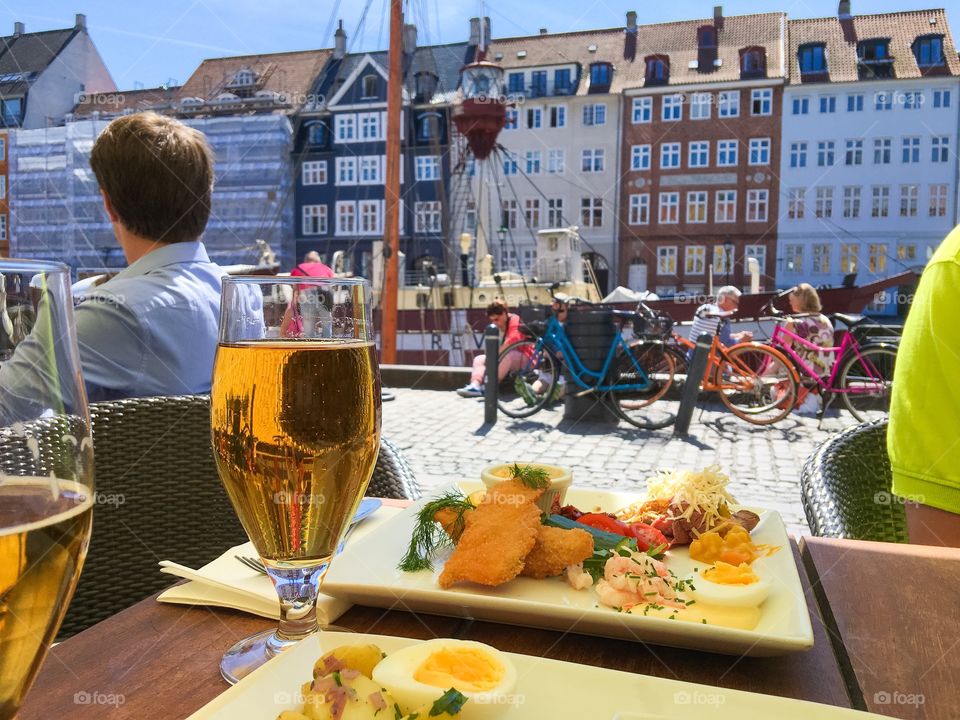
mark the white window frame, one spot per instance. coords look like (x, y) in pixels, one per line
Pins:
(880, 201)
(341, 226)
(534, 118)
(371, 165)
(370, 126)
(826, 153)
(345, 128)
(639, 209)
(701, 104)
(427, 168)
(363, 212)
(557, 161)
(672, 151)
(728, 104)
(344, 164)
(759, 252)
(909, 200)
(668, 204)
(671, 108)
(555, 215)
(821, 255)
(796, 203)
(309, 213)
(910, 149)
(428, 217)
(798, 154)
(824, 202)
(640, 156)
(939, 200)
(757, 201)
(695, 260)
(853, 148)
(698, 205)
(940, 149)
(534, 162)
(642, 110)
(592, 205)
(592, 160)
(700, 150)
(667, 260)
(313, 172)
(732, 150)
(852, 202)
(760, 146)
(725, 206)
(765, 96)
(560, 113)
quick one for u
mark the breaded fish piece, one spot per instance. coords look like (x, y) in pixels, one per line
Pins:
(447, 517)
(499, 534)
(555, 549)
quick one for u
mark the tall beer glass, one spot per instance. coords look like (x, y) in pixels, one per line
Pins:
(46, 468)
(295, 413)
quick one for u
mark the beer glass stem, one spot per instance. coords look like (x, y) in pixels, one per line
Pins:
(297, 588)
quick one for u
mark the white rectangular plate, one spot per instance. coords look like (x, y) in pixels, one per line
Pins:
(367, 574)
(587, 692)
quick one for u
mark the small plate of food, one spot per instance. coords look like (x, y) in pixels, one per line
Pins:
(684, 565)
(353, 676)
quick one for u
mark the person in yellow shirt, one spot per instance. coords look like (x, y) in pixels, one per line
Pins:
(923, 439)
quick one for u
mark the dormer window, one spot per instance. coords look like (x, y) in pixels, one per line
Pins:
(562, 83)
(874, 59)
(538, 83)
(657, 70)
(426, 83)
(428, 126)
(707, 37)
(317, 133)
(515, 82)
(601, 74)
(753, 62)
(812, 58)
(929, 51)
(244, 78)
(369, 86)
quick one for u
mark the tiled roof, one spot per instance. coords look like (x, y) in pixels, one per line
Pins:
(24, 56)
(287, 73)
(841, 38)
(678, 40)
(134, 100)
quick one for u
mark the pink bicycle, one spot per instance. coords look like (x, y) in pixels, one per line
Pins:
(862, 375)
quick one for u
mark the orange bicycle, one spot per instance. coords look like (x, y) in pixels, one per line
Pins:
(755, 381)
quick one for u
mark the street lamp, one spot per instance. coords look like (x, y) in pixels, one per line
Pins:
(728, 257)
(466, 240)
(502, 234)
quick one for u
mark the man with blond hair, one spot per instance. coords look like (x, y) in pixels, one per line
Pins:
(152, 328)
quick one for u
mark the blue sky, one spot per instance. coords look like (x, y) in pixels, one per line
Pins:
(149, 43)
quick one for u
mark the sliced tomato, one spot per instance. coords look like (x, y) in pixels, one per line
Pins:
(602, 521)
(648, 536)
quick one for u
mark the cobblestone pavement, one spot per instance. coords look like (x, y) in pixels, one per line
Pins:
(444, 438)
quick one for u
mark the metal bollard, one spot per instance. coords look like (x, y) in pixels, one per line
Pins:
(491, 348)
(691, 388)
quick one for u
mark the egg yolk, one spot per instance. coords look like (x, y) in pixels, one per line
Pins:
(466, 669)
(726, 574)
(735, 548)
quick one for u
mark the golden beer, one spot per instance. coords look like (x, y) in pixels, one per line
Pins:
(296, 431)
(44, 532)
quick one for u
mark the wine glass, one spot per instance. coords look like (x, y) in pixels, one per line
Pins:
(46, 468)
(295, 415)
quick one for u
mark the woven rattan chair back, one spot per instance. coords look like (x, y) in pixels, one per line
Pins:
(846, 487)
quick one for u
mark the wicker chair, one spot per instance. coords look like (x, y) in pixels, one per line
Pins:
(159, 498)
(846, 487)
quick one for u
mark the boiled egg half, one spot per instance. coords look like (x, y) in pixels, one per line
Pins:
(725, 585)
(419, 674)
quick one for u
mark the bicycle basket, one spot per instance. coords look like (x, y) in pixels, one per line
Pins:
(657, 327)
(533, 319)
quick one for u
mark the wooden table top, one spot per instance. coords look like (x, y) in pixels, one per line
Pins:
(892, 613)
(162, 661)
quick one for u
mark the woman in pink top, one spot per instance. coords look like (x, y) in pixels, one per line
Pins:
(509, 325)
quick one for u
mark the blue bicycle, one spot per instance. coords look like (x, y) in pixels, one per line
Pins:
(634, 374)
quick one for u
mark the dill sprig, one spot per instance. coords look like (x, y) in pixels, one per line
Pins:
(530, 475)
(428, 535)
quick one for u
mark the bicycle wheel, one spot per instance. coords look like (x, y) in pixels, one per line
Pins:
(756, 383)
(866, 381)
(532, 368)
(648, 364)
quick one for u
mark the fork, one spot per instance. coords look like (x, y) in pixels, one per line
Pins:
(256, 564)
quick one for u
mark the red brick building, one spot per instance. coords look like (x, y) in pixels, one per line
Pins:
(700, 153)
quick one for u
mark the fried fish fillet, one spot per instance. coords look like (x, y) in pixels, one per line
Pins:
(555, 549)
(497, 538)
(448, 519)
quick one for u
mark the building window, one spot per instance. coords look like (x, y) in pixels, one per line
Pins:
(906, 252)
(821, 259)
(855, 102)
(639, 210)
(812, 58)
(880, 207)
(369, 86)
(909, 200)
(883, 101)
(826, 153)
(640, 157)
(314, 219)
(795, 203)
(798, 155)
(562, 84)
(882, 151)
(313, 172)
(534, 158)
(346, 218)
(595, 115)
(757, 252)
(759, 151)
(940, 149)
(511, 165)
(761, 101)
(510, 119)
(726, 209)
(912, 100)
(538, 83)
(854, 154)
(555, 212)
(851, 201)
(700, 105)
(667, 260)
(3, 141)
(722, 260)
(672, 108)
(591, 212)
(470, 216)
(534, 118)
(642, 110)
(427, 167)
(728, 104)
(848, 257)
(727, 153)
(427, 216)
(694, 260)
(3, 187)
(591, 160)
(828, 104)
(600, 75)
(824, 205)
(371, 217)
(876, 258)
(758, 204)
(753, 62)
(669, 208)
(371, 170)
(941, 100)
(670, 155)
(657, 71)
(531, 212)
(428, 126)
(558, 116)
(346, 171)
(515, 82)
(911, 150)
(557, 161)
(938, 200)
(875, 59)
(928, 51)
(697, 207)
(699, 154)
(345, 128)
(792, 258)
(510, 212)
(317, 133)
(801, 105)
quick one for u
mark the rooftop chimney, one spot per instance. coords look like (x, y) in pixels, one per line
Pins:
(81, 23)
(474, 31)
(543, 31)
(339, 42)
(843, 11)
(718, 16)
(631, 21)
(409, 39)
(18, 29)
